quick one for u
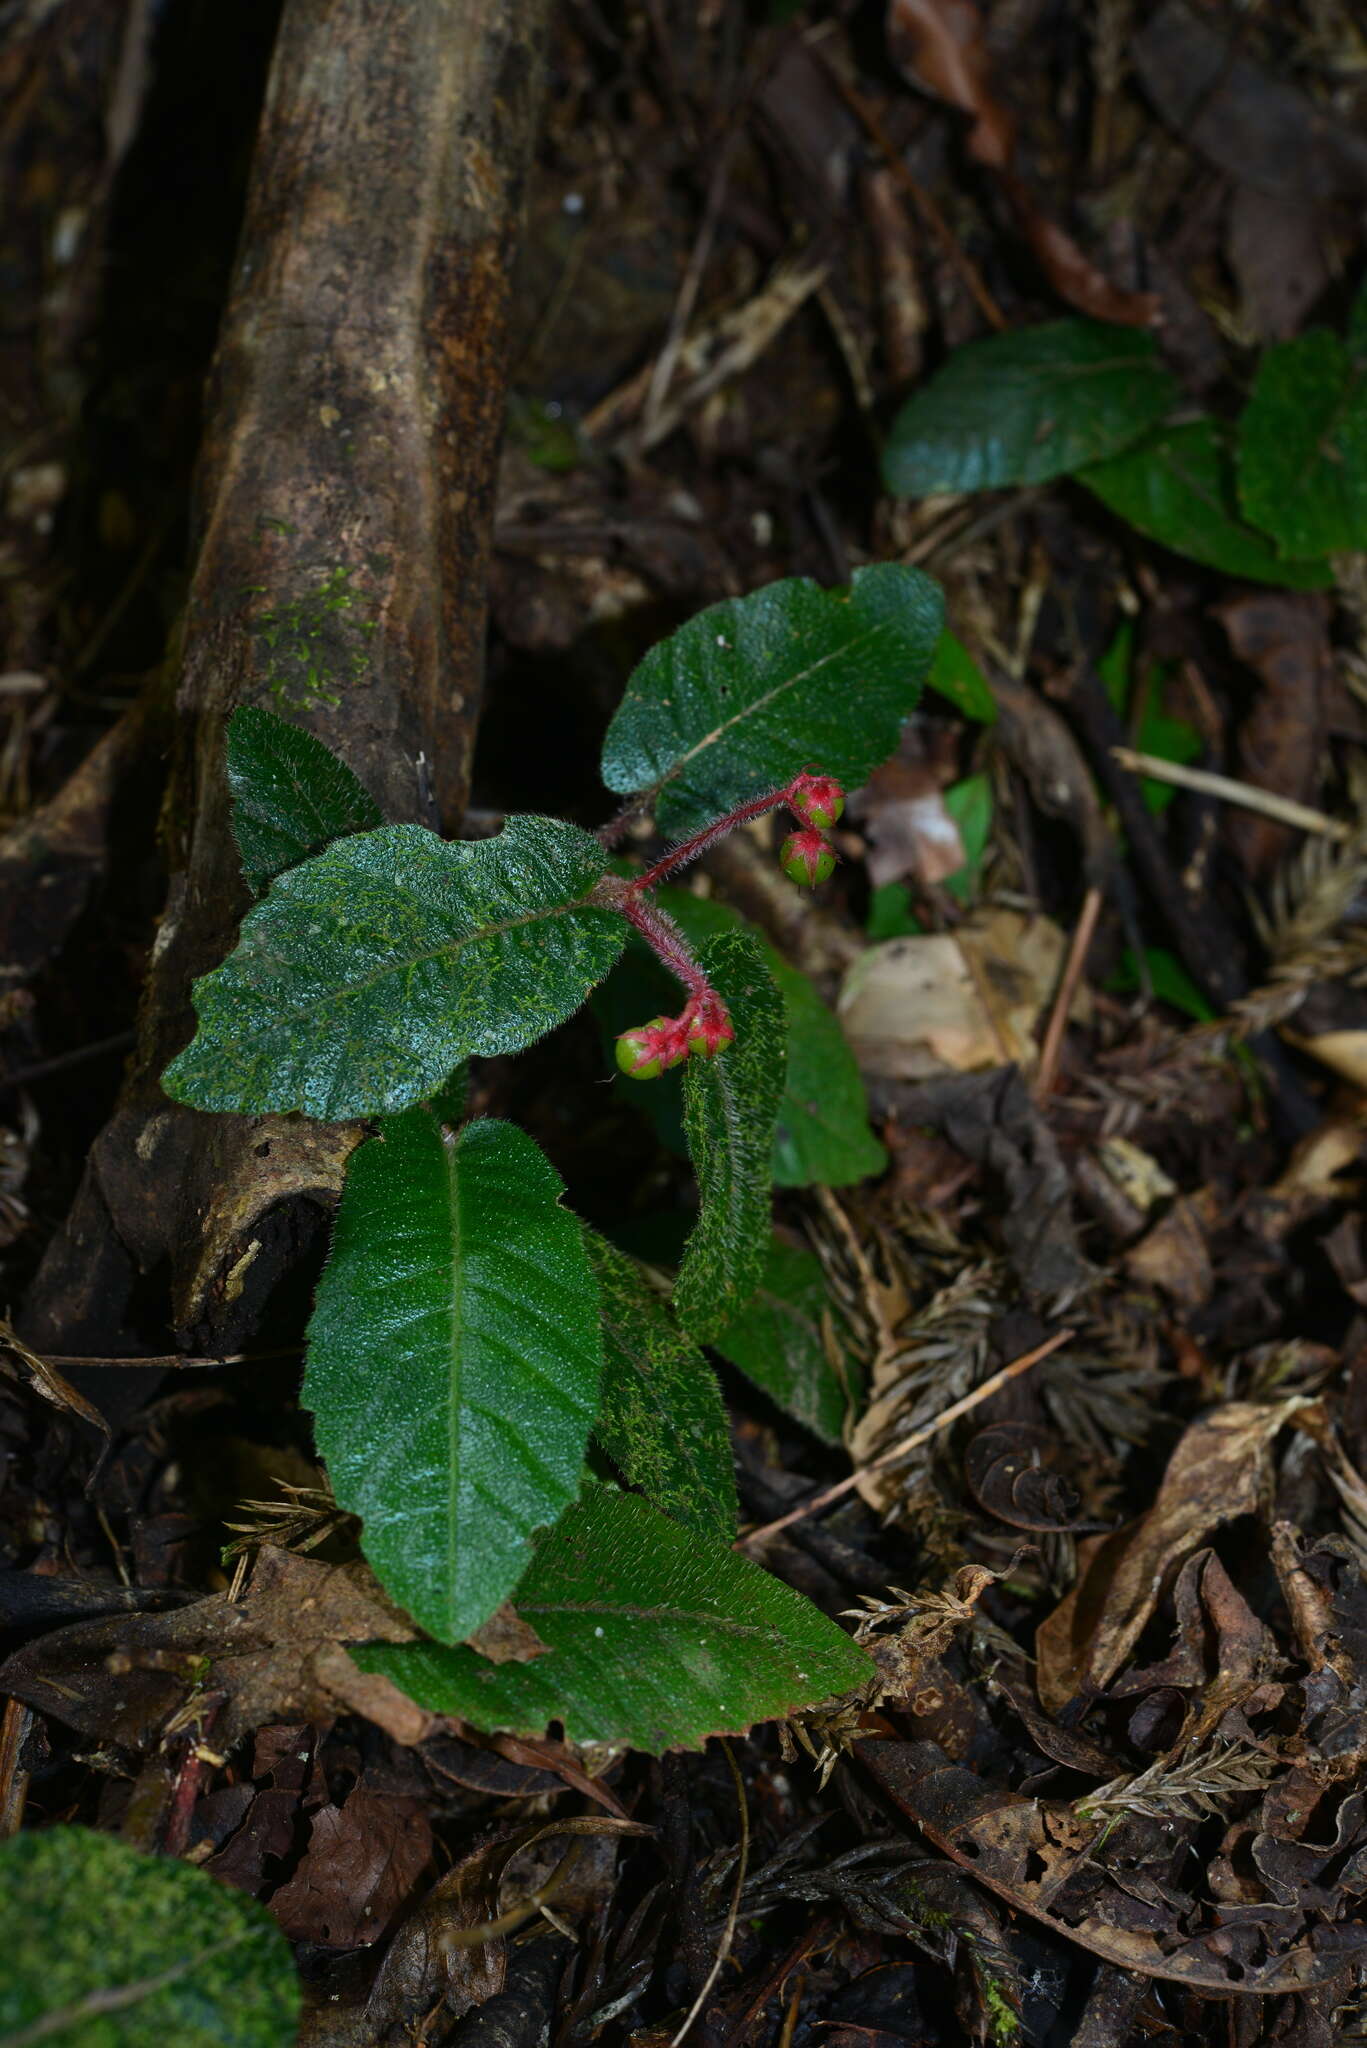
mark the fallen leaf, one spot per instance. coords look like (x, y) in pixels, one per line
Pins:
(1219, 1470)
(362, 1860)
(1109, 1891)
(954, 1002)
(940, 46)
(120, 1680)
(1283, 636)
(1173, 1256)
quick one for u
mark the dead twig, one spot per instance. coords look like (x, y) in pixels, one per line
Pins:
(820, 1501)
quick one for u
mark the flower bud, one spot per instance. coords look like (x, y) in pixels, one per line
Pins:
(816, 799)
(644, 1052)
(709, 1026)
(807, 858)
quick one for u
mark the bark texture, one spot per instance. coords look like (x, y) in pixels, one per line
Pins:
(344, 509)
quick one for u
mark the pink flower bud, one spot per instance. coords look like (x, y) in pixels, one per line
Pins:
(708, 1025)
(816, 799)
(807, 858)
(645, 1052)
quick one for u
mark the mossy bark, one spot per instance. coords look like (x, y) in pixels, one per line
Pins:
(343, 514)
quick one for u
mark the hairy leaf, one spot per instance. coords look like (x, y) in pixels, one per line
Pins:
(776, 1339)
(658, 1637)
(1021, 408)
(291, 795)
(1178, 488)
(1303, 445)
(370, 972)
(662, 1420)
(108, 1948)
(454, 1361)
(730, 1108)
(822, 1135)
(753, 690)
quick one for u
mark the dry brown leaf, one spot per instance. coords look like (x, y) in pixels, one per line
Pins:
(1219, 1470)
(120, 1680)
(1173, 1256)
(954, 1002)
(940, 46)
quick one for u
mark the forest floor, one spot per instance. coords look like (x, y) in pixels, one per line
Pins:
(1112, 1028)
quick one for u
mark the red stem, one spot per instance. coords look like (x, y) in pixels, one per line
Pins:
(663, 936)
(688, 849)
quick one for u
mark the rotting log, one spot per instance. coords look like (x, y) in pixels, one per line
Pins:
(343, 514)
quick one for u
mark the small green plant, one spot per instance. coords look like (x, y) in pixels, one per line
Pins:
(475, 1352)
(1269, 497)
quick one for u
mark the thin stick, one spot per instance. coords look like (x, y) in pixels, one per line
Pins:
(1283, 808)
(1067, 989)
(820, 1501)
(729, 1931)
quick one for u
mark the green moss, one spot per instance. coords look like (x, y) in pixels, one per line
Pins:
(312, 643)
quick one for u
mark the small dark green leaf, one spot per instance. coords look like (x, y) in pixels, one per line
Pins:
(956, 676)
(969, 804)
(822, 1135)
(1303, 446)
(777, 1340)
(367, 974)
(730, 1109)
(454, 1361)
(1021, 408)
(1178, 488)
(658, 1638)
(890, 913)
(753, 690)
(291, 795)
(662, 1420)
(108, 1948)
(1168, 979)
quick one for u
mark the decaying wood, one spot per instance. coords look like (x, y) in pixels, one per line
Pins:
(344, 507)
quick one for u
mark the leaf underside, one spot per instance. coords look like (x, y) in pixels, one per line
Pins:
(291, 795)
(111, 1948)
(454, 1361)
(730, 1109)
(368, 973)
(755, 689)
(659, 1637)
(1022, 408)
(661, 1420)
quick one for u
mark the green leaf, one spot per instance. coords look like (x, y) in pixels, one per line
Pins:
(1021, 408)
(1303, 446)
(291, 795)
(969, 804)
(1167, 739)
(1179, 489)
(370, 972)
(662, 1420)
(956, 675)
(1168, 979)
(454, 1361)
(890, 913)
(730, 1109)
(822, 1135)
(753, 690)
(776, 1340)
(108, 1948)
(658, 1638)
